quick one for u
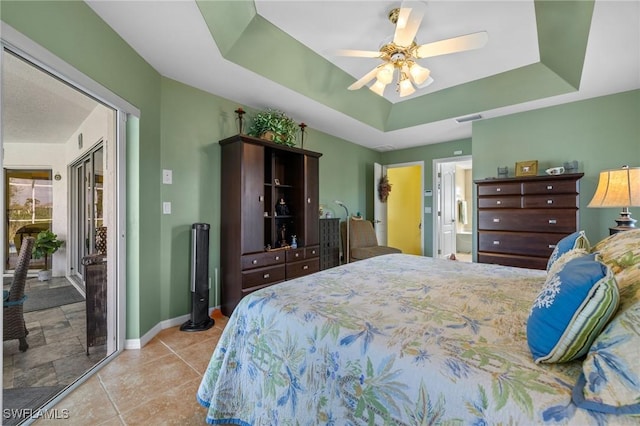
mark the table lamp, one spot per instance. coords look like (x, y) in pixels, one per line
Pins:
(619, 188)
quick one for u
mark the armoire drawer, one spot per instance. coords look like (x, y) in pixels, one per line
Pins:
(530, 220)
(550, 187)
(305, 267)
(550, 201)
(498, 202)
(504, 188)
(262, 259)
(263, 276)
(528, 244)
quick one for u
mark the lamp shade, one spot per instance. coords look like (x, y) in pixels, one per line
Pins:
(618, 188)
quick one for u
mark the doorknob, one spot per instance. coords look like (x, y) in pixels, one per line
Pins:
(377, 221)
(420, 225)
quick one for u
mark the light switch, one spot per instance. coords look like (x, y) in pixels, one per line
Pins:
(167, 177)
(166, 207)
(427, 210)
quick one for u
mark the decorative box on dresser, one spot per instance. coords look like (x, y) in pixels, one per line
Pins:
(329, 243)
(520, 220)
(255, 235)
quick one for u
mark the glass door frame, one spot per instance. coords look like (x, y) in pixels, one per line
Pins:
(86, 214)
(20, 45)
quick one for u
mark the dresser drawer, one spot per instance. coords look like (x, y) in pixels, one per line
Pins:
(528, 244)
(305, 267)
(514, 260)
(550, 187)
(508, 202)
(311, 252)
(531, 220)
(505, 188)
(263, 276)
(259, 260)
(550, 201)
(294, 255)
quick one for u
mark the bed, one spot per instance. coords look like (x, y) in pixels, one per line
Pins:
(396, 339)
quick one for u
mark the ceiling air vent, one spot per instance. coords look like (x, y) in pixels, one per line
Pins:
(384, 148)
(466, 118)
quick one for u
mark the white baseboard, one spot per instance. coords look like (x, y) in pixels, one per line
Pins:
(146, 338)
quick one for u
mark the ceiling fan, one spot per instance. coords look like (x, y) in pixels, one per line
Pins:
(402, 52)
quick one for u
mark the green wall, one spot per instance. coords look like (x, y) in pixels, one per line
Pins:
(193, 122)
(179, 128)
(428, 153)
(600, 133)
(75, 34)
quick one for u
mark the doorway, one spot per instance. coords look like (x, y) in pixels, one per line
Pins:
(453, 204)
(29, 210)
(399, 220)
(44, 119)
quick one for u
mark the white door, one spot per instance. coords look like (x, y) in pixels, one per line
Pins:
(446, 209)
(379, 208)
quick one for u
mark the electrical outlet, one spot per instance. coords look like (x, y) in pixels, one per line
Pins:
(166, 207)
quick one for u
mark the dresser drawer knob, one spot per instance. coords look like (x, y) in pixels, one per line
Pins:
(254, 261)
(552, 246)
(496, 242)
(549, 187)
(265, 276)
(313, 252)
(297, 254)
(496, 220)
(498, 202)
(549, 201)
(498, 189)
(553, 221)
(305, 267)
(277, 257)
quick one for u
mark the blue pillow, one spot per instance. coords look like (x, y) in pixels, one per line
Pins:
(610, 379)
(574, 305)
(577, 240)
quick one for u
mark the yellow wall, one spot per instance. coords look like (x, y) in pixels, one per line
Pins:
(403, 209)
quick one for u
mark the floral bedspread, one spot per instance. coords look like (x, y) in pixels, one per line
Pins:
(395, 339)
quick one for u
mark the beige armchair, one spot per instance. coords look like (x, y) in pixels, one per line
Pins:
(363, 242)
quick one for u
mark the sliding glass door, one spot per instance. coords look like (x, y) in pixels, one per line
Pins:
(29, 210)
(87, 205)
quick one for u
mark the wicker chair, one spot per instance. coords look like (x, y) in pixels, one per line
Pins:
(13, 300)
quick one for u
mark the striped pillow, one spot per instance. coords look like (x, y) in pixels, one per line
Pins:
(574, 305)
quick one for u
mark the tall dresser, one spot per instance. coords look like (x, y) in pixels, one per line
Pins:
(269, 195)
(329, 243)
(520, 220)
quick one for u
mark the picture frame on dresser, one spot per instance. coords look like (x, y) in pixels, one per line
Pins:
(527, 168)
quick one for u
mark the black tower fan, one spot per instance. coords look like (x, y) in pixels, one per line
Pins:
(200, 319)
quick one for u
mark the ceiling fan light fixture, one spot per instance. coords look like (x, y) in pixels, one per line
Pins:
(405, 87)
(378, 88)
(385, 74)
(418, 74)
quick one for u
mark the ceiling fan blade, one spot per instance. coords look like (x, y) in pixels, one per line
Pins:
(453, 45)
(359, 53)
(409, 19)
(365, 79)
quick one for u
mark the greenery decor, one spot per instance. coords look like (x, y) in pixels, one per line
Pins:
(384, 188)
(45, 245)
(274, 125)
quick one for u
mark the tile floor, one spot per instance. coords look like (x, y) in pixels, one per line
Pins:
(57, 345)
(153, 385)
